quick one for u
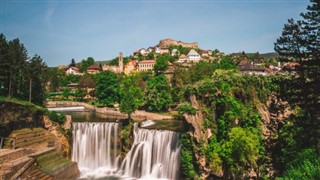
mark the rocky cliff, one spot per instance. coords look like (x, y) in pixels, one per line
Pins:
(165, 43)
(15, 116)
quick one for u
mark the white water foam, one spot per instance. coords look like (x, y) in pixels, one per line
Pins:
(154, 153)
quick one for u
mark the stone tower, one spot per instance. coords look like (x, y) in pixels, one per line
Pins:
(120, 62)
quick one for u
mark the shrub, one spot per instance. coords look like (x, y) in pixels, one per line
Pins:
(306, 165)
(57, 117)
(186, 108)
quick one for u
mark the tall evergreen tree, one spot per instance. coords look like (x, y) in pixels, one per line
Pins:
(38, 79)
(73, 63)
(4, 66)
(300, 43)
(17, 58)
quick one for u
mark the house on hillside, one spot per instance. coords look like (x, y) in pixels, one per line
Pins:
(114, 69)
(146, 65)
(182, 58)
(150, 49)
(175, 52)
(93, 69)
(162, 50)
(73, 70)
(130, 67)
(143, 52)
(258, 62)
(249, 68)
(206, 53)
(290, 66)
(193, 56)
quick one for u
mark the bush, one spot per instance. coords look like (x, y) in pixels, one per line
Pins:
(186, 158)
(56, 117)
(186, 108)
(306, 165)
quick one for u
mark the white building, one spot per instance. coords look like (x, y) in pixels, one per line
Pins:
(146, 65)
(193, 56)
(175, 52)
(73, 70)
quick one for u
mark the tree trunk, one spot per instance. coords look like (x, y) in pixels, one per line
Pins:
(30, 89)
(9, 91)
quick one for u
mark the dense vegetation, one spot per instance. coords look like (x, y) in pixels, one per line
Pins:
(20, 76)
(228, 102)
(232, 104)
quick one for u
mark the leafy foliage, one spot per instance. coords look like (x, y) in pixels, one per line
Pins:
(157, 95)
(161, 64)
(186, 157)
(86, 63)
(107, 87)
(186, 108)
(306, 165)
(240, 151)
(228, 103)
(131, 95)
(56, 117)
(300, 44)
(126, 136)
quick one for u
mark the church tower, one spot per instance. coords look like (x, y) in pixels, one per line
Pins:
(120, 62)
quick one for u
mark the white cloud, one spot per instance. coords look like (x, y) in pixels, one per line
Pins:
(51, 7)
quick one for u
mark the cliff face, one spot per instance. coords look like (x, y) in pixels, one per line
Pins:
(15, 116)
(165, 43)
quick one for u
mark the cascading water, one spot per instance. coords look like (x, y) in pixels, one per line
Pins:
(95, 148)
(154, 153)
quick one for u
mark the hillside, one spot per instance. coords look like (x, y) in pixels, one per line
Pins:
(165, 43)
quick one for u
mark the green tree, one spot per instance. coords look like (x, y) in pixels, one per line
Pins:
(158, 97)
(131, 95)
(80, 94)
(150, 55)
(4, 65)
(56, 78)
(66, 93)
(107, 88)
(17, 73)
(187, 159)
(305, 165)
(240, 152)
(86, 63)
(17, 59)
(300, 43)
(161, 65)
(73, 63)
(38, 79)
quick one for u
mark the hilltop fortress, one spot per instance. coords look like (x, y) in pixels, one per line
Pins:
(165, 43)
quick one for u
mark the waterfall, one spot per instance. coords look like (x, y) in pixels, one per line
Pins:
(95, 147)
(154, 153)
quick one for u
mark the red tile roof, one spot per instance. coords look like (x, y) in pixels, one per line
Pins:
(182, 56)
(94, 67)
(75, 68)
(147, 61)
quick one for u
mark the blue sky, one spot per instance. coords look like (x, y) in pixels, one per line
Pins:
(61, 30)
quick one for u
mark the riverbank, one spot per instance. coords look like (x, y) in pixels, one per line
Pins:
(138, 115)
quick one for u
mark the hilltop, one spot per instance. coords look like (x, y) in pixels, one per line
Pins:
(165, 43)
